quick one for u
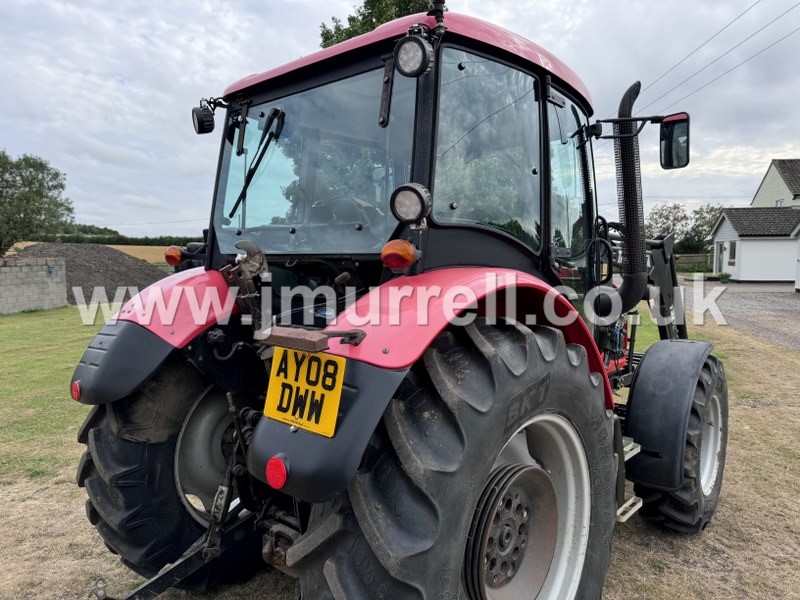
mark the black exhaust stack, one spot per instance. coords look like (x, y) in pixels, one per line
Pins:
(631, 211)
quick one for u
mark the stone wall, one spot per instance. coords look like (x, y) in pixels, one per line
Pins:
(32, 283)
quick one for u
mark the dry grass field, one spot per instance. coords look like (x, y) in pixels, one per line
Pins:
(17, 247)
(152, 254)
(751, 549)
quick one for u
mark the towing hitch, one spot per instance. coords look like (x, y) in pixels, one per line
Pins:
(192, 560)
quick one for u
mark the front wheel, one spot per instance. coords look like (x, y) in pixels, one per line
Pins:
(152, 465)
(691, 508)
(491, 476)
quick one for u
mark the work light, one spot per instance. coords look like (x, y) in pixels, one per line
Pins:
(413, 56)
(410, 203)
(202, 119)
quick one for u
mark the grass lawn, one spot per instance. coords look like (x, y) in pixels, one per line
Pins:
(647, 331)
(38, 353)
(751, 549)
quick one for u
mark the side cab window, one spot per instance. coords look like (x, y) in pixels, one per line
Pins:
(571, 185)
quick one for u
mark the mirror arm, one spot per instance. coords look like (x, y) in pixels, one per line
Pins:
(624, 135)
(651, 119)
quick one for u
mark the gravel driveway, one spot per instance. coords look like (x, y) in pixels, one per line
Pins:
(768, 310)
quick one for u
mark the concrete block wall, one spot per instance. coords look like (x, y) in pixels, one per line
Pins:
(32, 283)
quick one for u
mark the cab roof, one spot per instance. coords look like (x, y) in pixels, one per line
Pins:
(462, 25)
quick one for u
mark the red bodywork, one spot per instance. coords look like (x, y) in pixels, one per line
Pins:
(399, 335)
(463, 25)
(182, 293)
(397, 331)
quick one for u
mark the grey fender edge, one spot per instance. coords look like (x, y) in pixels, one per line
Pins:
(120, 358)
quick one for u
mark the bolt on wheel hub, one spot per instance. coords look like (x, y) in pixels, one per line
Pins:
(518, 509)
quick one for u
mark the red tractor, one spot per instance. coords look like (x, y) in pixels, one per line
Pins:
(392, 369)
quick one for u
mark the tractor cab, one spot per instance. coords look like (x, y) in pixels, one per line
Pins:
(471, 143)
(488, 131)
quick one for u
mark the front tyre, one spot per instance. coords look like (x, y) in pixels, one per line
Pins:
(691, 508)
(142, 510)
(491, 476)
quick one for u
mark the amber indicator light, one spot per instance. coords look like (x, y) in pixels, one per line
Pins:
(398, 255)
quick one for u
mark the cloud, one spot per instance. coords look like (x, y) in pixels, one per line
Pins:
(103, 89)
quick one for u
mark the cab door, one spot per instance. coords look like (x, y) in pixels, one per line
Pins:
(571, 194)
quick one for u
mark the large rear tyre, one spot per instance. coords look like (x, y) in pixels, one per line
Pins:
(142, 509)
(691, 508)
(491, 476)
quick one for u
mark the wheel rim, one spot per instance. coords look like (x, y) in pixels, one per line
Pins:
(710, 445)
(518, 502)
(540, 485)
(204, 443)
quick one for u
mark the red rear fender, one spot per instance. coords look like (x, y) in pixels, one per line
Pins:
(403, 316)
(181, 306)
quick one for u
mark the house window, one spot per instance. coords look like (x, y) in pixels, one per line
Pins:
(779, 202)
(732, 254)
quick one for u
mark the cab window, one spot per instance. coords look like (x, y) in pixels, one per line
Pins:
(487, 153)
(571, 207)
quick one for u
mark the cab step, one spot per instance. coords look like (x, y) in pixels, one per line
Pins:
(632, 505)
(630, 448)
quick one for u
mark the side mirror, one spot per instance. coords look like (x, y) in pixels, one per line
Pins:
(675, 141)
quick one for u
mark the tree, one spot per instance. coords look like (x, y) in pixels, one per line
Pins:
(31, 199)
(667, 219)
(703, 219)
(366, 18)
(72, 228)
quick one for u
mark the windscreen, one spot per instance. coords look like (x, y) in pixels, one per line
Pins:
(325, 173)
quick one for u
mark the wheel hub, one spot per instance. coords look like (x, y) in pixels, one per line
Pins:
(202, 452)
(518, 508)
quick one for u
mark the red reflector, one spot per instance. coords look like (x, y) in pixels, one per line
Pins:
(277, 472)
(76, 390)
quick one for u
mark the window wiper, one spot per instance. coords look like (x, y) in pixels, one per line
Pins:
(269, 135)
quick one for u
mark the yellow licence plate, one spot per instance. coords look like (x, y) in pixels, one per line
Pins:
(305, 390)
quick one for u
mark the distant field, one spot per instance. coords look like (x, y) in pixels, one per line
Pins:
(152, 254)
(18, 246)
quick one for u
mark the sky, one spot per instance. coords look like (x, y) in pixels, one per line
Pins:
(103, 90)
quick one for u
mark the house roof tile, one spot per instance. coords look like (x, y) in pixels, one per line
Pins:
(763, 222)
(789, 169)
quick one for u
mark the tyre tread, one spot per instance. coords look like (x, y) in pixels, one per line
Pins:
(687, 510)
(383, 546)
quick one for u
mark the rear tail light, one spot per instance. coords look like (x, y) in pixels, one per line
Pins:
(75, 390)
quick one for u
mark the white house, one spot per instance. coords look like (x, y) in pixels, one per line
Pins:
(757, 243)
(781, 184)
